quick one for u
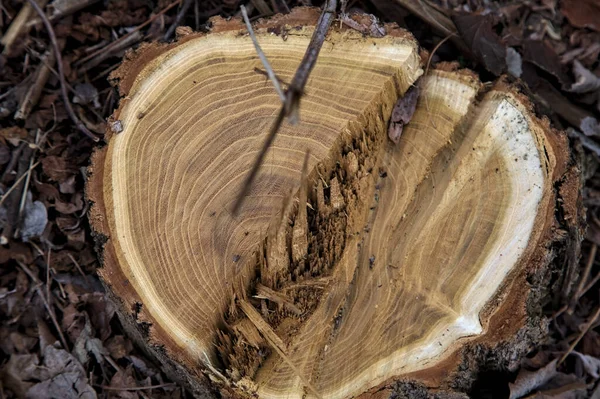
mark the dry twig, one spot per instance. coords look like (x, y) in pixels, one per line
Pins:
(16, 183)
(184, 9)
(587, 327)
(293, 94)
(46, 301)
(61, 73)
(262, 56)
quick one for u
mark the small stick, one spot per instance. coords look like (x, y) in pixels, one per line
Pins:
(61, 73)
(262, 56)
(184, 9)
(109, 388)
(581, 335)
(16, 183)
(136, 29)
(26, 185)
(293, 94)
(46, 303)
(437, 46)
(584, 278)
(34, 91)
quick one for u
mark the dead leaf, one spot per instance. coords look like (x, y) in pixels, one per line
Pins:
(85, 93)
(582, 13)
(118, 346)
(585, 81)
(67, 186)
(87, 343)
(57, 168)
(124, 379)
(528, 381)
(35, 219)
(595, 148)
(476, 30)
(60, 376)
(14, 135)
(64, 386)
(64, 377)
(590, 126)
(574, 390)
(591, 364)
(403, 112)
(18, 371)
(4, 154)
(543, 56)
(75, 205)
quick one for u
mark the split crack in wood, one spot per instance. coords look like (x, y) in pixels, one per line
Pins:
(454, 217)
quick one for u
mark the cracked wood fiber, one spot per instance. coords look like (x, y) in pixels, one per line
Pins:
(387, 264)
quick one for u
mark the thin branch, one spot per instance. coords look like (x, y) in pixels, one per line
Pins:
(109, 388)
(584, 278)
(61, 73)
(184, 9)
(46, 301)
(16, 183)
(293, 94)
(262, 56)
(131, 33)
(581, 335)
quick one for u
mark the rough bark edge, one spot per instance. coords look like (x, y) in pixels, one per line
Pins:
(139, 325)
(527, 290)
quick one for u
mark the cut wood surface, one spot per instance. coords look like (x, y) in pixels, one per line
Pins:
(385, 262)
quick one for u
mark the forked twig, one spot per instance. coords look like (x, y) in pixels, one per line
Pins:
(293, 94)
(61, 73)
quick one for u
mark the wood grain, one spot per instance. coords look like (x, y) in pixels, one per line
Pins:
(383, 262)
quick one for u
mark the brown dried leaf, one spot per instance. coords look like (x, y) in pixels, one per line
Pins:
(476, 30)
(14, 135)
(528, 381)
(124, 379)
(58, 168)
(18, 371)
(403, 112)
(582, 13)
(543, 56)
(4, 154)
(118, 346)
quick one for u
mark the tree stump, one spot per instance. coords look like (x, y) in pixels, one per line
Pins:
(381, 269)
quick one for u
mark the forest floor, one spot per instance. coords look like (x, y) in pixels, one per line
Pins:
(59, 335)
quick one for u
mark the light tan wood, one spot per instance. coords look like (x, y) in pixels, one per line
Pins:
(382, 263)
